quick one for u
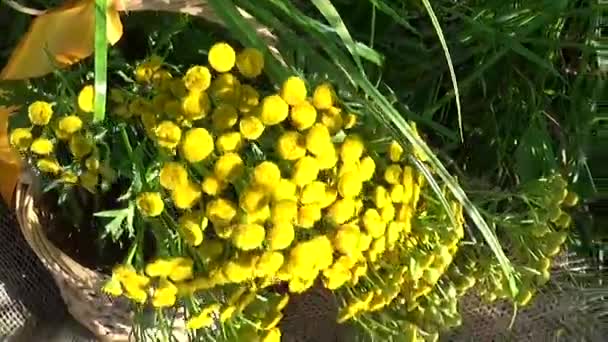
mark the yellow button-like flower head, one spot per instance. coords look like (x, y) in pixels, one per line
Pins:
(40, 113)
(367, 167)
(346, 240)
(197, 145)
(268, 264)
(197, 78)
(229, 142)
(251, 127)
(42, 146)
(284, 211)
(150, 204)
(221, 211)
(392, 174)
(291, 146)
(168, 134)
(280, 235)
(229, 167)
(48, 165)
(222, 57)
(224, 116)
(172, 175)
(248, 236)
(350, 184)
(86, 99)
(293, 90)
(305, 171)
(308, 215)
(250, 98)
(303, 115)
(165, 294)
(352, 149)
(266, 174)
(191, 230)
(80, 145)
(70, 124)
(186, 195)
(323, 97)
(274, 110)
(253, 199)
(21, 138)
(250, 62)
(342, 210)
(373, 223)
(318, 139)
(313, 193)
(212, 186)
(395, 151)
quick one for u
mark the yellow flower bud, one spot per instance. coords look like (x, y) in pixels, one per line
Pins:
(40, 113)
(323, 96)
(305, 171)
(21, 138)
(168, 134)
(250, 62)
(197, 145)
(42, 147)
(274, 110)
(293, 90)
(291, 146)
(86, 99)
(173, 175)
(197, 78)
(251, 127)
(150, 204)
(303, 115)
(248, 236)
(222, 57)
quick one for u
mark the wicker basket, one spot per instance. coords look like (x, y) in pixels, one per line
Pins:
(109, 319)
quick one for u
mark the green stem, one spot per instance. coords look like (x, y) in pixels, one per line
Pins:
(101, 60)
(125, 139)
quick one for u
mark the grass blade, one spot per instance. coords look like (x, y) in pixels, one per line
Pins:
(101, 60)
(446, 51)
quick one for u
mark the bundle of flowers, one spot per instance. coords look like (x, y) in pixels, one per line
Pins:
(238, 195)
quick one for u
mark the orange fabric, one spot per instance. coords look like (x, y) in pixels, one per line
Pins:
(9, 161)
(65, 34)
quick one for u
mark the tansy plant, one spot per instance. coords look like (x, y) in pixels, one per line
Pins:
(246, 195)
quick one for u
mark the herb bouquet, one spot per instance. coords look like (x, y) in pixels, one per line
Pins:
(233, 195)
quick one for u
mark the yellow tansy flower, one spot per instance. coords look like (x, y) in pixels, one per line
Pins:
(313, 193)
(221, 211)
(342, 210)
(284, 211)
(48, 165)
(191, 230)
(367, 167)
(352, 149)
(226, 88)
(280, 235)
(346, 240)
(250, 62)
(168, 134)
(186, 195)
(86, 99)
(70, 124)
(253, 199)
(293, 90)
(291, 146)
(204, 319)
(160, 268)
(250, 98)
(42, 146)
(284, 189)
(328, 159)
(251, 127)
(350, 184)
(229, 167)
(268, 264)
(222, 57)
(397, 192)
(196, 145)
(212, 186)
(40, 113)
(182, 269)
(229, 142)
(323, 96)
(266, 174)
(274, 110)
(165, 294)
(248, 236)
(318, 139)
(392, 174)
(308, 215)
(194, 106)
(172, 175)
(373, 223)
(303, 115)
(197, 78)
(80, 145)
(224, 117)
(395, 151)
(150, 204)
(21, 138)
(332, 119)
(305, 171)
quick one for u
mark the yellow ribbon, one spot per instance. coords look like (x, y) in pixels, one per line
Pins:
(57, 38)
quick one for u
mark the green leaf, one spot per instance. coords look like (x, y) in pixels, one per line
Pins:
(534, 156)
(121, 223)
(446, 51)
(101, 60)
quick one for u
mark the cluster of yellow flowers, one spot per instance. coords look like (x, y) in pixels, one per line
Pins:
(281, 188)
